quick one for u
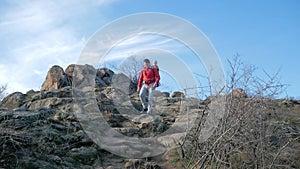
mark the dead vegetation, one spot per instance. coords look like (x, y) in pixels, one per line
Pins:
(250, 134)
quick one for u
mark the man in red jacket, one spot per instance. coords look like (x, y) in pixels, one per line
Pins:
(150, 77)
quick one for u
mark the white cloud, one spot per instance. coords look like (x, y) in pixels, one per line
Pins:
(143, 42)
(38, 34)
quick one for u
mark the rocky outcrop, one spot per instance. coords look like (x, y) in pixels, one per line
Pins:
(53, 77)
(166, 94)
(104, 77)
(43, 131)
(13, 101)
(35, 139)
(40, 129)
(69, 70)
(58, 78)
(239, 93)
(16, 100)
(177, 94)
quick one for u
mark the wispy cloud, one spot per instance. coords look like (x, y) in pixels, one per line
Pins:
(38, 34)
(143, 42)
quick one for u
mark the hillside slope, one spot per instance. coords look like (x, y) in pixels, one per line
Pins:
(41, 129)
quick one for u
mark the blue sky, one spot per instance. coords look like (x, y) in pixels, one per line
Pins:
(38, 34)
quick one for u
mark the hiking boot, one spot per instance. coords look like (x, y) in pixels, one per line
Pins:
(144, 110)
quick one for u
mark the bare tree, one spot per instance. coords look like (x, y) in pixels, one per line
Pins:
(3, 89)
(248, 135)
(132, 67)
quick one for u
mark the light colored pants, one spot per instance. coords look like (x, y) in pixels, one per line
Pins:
(143, 94)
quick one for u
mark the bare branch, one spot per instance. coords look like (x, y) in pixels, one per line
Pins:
(244, 137)
(3, 91)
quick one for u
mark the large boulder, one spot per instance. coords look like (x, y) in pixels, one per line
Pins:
(239, 93)
(13, 101)
(104, 72)
(53, 77)
(177, 94)
(104, 77)
(58, 78)
(69, 70)
(166, 94)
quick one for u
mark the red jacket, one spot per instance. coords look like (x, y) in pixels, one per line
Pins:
(148, 76)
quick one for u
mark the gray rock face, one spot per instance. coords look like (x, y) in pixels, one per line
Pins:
(104, 77)
(43, 131)
(69, 70)
(13, 100)
(40, 129)
(53, 77)
(177, 94)
(239, 93)
(166, 94)
(104, 72)
(58, 78)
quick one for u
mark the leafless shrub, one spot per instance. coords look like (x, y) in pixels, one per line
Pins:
(248, 135)
(3, 89)
(131, 67)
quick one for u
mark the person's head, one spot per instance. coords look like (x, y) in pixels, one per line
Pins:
(146, 63)
(155, 63)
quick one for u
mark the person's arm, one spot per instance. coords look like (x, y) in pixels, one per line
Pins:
(157, 76)
(140, 81)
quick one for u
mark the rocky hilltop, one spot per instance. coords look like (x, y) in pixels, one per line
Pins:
(40, 129)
